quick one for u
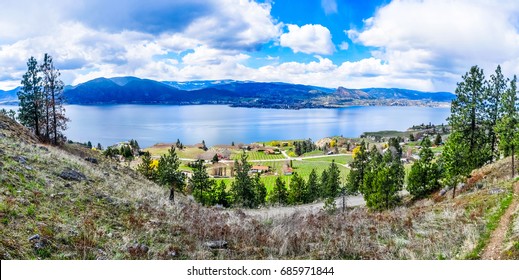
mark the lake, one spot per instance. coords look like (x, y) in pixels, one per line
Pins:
(220, 124)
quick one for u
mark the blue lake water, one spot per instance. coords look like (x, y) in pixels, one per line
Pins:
(219, 124)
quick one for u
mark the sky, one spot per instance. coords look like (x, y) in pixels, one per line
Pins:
(416, 44)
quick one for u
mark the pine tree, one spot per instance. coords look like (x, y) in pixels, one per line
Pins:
(260, 191)
(219, 194)
(243, 186)
(358, 166)
(386, 181)
(507, 128)
(199, 182)
(297, 191)
(168, 173)
(56, 121)
(215, 159)
(424, 175)
(333, 186)
(493, 111)
(31, 104)
(438, 140)
(323, 184)
(146, 168)
(312, 187)
(279, 194)
(467, 120)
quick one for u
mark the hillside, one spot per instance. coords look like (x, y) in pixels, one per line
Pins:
(54, 204)
(9, 96)
(132, 90)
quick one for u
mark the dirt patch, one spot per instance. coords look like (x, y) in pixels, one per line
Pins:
(494, 249)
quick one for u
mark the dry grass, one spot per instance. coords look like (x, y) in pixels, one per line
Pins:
(117, 214)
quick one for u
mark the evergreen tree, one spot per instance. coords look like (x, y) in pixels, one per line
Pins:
(454, 157)
(323, 184)
(358, 166)
(215, 159)
(507, 128)
(279, 194)
(260, 191)
(99, 147)
(243, 186)
(387, 181)
(467, 120)
(199, 182)
(438, 140)
(297, 192)
(55, 118)
(220, 195)
(89, 145)
(31, 103)
(494, 91)
(146, 168)
(424, 175)
(312, 187)
(168, 173)
(333, 186)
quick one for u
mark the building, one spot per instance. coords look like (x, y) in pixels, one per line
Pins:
(260, 169)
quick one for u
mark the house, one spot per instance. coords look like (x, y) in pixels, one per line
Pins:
(260, 169)
(287, 170)
(269, 151)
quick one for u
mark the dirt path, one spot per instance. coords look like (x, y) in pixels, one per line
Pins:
(495, 245)
(280, 212)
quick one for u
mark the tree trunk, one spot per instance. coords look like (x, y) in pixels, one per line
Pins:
(513, 161)
(172, 193)
(55, 121)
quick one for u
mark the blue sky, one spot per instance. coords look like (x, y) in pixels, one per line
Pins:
(415, 44)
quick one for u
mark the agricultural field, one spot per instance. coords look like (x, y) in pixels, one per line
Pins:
(340, 159)
(303, 168)
(187, 152)
(253, 155)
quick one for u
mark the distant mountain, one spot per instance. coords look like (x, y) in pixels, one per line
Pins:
(392, 94)
(9, 96)
(132, 90)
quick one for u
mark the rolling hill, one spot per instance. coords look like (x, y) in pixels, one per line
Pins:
(132, 90)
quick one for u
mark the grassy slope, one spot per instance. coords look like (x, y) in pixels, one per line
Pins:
(106, 215)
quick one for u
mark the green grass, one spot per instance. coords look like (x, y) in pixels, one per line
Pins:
(184, 153)
(258, 156)
(303, 168)
(493, 219)
(342, 159)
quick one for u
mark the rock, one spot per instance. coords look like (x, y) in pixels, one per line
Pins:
(20, 159)
(496, 191)
(60, 194)
(460, 186)
(138, 249)
(479, 185)
(43, 148)
(34, 237)
(67, 185)
(216, 244)
(92, 160)
(72, 175)
(444, 191)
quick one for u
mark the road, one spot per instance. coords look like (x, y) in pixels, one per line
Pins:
(281, 212)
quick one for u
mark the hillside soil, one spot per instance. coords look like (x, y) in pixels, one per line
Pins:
(494, 249)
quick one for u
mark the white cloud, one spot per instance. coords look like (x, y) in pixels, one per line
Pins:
(329, 6)
(344, 46)
(441, 39)
(309, 38)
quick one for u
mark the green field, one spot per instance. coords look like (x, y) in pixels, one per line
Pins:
(342, 159)
(303, 168)
(257, 156)
(189, 152)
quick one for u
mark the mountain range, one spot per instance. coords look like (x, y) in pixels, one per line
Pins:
(132, 90)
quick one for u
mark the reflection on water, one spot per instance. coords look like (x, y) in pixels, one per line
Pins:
(219, 124)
